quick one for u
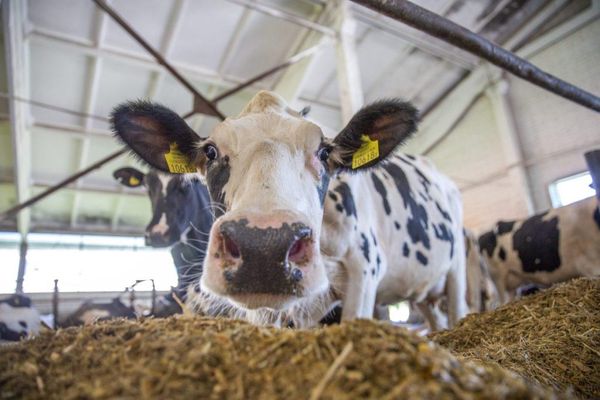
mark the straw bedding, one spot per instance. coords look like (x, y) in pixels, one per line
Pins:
(552, 337)
(196, 357)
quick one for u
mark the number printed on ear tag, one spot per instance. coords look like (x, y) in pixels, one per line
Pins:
(368, 151)
(177, 162)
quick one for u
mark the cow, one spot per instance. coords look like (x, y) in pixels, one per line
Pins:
(481, 291)
(181, 218)
(306, 222)
(18, 318)
(547, 248)
(90, 312)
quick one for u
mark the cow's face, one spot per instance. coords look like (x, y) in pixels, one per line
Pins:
(268, 170)
(172, 200)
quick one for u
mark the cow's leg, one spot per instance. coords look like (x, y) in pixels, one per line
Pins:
(434, 316)
(358, 288)
(456, 285)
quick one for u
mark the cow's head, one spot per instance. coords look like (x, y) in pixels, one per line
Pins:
(269, 169)
(173, 200)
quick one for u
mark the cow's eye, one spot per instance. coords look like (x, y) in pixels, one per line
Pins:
(323, 153)
(211, 152)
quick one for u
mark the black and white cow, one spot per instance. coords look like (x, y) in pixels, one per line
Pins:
(544, 249)
(307, 221)
(181, 218)
(18, 318)
(90, 312)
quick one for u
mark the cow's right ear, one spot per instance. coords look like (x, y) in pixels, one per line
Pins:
(156, 135)
(130, 177)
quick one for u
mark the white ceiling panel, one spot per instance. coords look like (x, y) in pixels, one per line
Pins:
(54, 71)
(257, 50)
(119, 81)
(70, 17)
(205, 31)
(147, 17)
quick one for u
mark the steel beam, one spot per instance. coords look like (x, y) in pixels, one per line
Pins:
(444, 29)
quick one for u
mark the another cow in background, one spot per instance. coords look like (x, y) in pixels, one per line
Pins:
(286, 245)
(181, 218)
(18, 318)
(90, 312)
(544, 249)
(481, 291)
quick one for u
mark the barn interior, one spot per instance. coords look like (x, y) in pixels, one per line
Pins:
(513, 148)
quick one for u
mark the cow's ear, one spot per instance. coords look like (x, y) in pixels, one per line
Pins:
(372, 134)
(129, 177)
(156, 135)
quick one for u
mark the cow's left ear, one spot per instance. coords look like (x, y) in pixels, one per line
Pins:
(130, 177)
(157, 136)
(372, 134)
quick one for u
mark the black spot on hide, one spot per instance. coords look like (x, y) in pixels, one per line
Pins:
(417, 223)
(405, 250)
(502, 253)
(23, 324)
(322, 187)
(347, 199)
(442, 232)
(365, 246)
(397, 225)
(380, 187)
(421, 258)
(339, 208)
(217, 176)
(487, 242)
(597, 217)
(332, 196)
(536, 242)
(444, 213)
(504, 227)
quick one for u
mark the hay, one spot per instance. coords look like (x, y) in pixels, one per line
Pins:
(552, 337)
(195, 357)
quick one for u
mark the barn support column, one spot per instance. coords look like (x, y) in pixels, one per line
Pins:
(348, 72)
(22, 264)
(497, 93)
(14, 14)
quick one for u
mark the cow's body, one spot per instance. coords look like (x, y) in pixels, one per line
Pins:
(181, 218)
(90, 312)
(282, 243)
(18, 318)
(544, 249)
(393, 230)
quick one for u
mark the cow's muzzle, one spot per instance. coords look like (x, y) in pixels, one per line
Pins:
(263, 260)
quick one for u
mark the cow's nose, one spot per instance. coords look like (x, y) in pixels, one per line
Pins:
(264, 259)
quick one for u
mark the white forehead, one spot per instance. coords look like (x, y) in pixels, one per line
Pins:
(239, 133)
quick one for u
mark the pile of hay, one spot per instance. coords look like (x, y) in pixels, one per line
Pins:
(552, 337)
(206, 358)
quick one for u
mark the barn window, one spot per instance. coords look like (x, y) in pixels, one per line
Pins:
(571, 189)
(85, 263)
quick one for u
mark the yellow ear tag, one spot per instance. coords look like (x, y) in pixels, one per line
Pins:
(367, 152)
(133, 181)
(177, 162)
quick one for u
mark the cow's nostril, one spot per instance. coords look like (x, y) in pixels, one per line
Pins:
(231, 247)
(297, 253)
